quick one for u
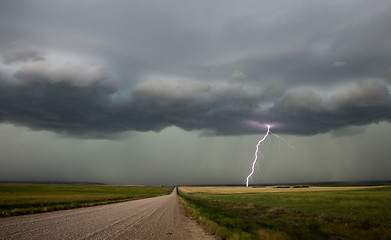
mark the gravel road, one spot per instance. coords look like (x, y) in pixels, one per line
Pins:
(152, 218)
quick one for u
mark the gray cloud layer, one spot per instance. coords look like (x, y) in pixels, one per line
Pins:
(223, 68)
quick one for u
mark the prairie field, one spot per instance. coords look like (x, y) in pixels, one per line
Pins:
(17, 199)
(293, 212)
(267, 189)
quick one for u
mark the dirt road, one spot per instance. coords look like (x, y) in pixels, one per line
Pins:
(153, 218)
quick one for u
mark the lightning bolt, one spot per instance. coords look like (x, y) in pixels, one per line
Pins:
(256, 154)
(283, 140)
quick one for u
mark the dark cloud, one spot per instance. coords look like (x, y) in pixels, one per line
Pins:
(66, 102)
(59, 72)
(308, 112)
(102, 72)
(362, 94)
(308, 67)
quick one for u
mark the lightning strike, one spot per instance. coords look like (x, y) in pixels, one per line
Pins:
(256, 154)
(283, 140)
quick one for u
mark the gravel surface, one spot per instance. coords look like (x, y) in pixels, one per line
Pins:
(152, 218)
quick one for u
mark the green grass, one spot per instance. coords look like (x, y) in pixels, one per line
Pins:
(354, 214)
(16, 199)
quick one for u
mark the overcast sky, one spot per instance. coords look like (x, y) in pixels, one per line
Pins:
(179, 92)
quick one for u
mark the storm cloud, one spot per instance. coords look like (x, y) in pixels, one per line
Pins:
(95, 69)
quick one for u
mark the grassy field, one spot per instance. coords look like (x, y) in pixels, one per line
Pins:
(271, 189)
(16, 199)
(288, 213)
